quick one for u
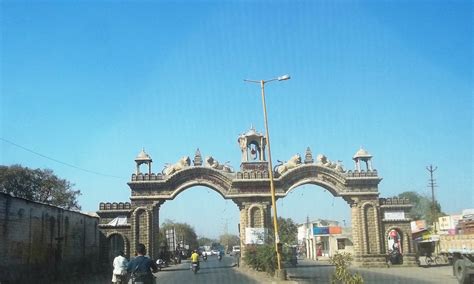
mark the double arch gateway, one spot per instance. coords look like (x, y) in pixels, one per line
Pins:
(373, 218)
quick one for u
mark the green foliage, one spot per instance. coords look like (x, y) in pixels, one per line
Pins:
(341, 273)
(184, 232)
(261, 258)
(38, 185)
(287, 231)
(422, 206)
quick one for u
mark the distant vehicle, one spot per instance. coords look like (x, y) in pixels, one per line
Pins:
(459, 250)
(215, 252)
(206, 252)
(235, 250)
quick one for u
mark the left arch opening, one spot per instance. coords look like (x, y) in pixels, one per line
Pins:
(205, 209)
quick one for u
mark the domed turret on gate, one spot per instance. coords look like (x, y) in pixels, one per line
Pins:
(362, 155)
(143, 158)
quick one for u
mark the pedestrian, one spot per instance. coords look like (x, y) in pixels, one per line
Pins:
(141, 267)
(119, 275)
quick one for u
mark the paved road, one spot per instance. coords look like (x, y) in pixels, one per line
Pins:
(212, 271)
(308, 271)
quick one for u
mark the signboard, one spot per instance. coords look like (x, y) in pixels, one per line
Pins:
(394, 215)
(320, 230)
(255, 236)
(170, 239)
(417, 226)
(335, 230)
(447, 223)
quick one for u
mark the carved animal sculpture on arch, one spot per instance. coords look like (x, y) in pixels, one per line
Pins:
(212, 163)
(294, 162)
(184, 162)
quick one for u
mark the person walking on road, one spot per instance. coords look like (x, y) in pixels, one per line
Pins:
(119, 275)
(141, 267)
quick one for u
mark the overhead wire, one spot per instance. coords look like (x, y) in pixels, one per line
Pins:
(58, 161)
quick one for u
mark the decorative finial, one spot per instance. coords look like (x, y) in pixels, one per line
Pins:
(308, 158)
(197, 158)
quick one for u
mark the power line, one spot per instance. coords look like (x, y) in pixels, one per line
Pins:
(58, 161)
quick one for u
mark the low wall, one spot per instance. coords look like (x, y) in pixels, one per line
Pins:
(45, 243)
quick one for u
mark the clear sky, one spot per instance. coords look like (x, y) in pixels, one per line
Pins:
(89, 83)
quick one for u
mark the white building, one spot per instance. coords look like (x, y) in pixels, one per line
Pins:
(323, 238)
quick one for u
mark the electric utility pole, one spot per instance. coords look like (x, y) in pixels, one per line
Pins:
(432, 184)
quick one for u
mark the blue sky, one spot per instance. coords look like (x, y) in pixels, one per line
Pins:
(90, 83)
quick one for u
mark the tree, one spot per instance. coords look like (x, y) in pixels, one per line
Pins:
(183, 232)
(203, 241)
(422, 206)
(287, 231)
(229, 240)
(38, 185)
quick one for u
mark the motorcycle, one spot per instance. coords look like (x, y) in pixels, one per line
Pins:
(204, 257)
(177, 259)
(194, 267)
(394, 257)
(219, 257)
(160, 263)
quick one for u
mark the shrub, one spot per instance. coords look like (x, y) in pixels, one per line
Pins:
(261, 258)
(341, 274)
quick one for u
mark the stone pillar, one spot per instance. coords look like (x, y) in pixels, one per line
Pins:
(356, 230)
(141, 223)
(154, 250)
(367, 232)
(243, 222)
(255, 214)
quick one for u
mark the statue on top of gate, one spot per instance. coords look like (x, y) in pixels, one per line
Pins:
(322, 160)
(169, 169)
(294, 162)
(212, 163)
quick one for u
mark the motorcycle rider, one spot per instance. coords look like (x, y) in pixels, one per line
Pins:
(195, 258)
(142, 267)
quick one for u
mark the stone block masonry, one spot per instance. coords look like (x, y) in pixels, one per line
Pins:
(41, 243)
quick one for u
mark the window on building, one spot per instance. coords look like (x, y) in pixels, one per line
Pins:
(341, 243)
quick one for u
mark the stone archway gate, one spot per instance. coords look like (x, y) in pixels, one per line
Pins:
(249, 188)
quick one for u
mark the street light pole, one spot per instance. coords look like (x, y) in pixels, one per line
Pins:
(270, 167)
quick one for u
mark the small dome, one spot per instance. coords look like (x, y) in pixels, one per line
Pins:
(252, 133)
(143, 157)
(362, 154)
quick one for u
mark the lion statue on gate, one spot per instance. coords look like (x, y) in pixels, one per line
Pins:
(179, 165)
(212, 163)
(322, 160)
(294, 162)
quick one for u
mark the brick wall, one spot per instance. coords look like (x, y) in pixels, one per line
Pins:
(45, 243)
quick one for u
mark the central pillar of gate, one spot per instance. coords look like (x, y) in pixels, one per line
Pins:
(255, 221)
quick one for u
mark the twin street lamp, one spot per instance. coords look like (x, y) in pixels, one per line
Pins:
(270, 167)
